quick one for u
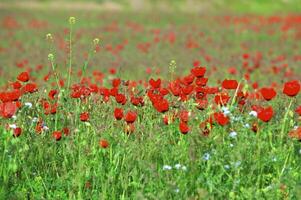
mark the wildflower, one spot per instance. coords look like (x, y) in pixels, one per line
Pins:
(23, 77)
(178, 166)
(299, 151)
(118, 113)
(291, 88)
(57, 135)
(84, 116)
(227, 166)
(206, 156)
(226, 110)
(253, 113)
(183, 127)
(221, 119)
(130, 117)
(184, 168)
(229, 84)
(103, 143)
(17, 132)
(28, 104)
(12, 126)
(167, 167)
(266, 114)
(233, 134)
(155, 83)
(268, 93)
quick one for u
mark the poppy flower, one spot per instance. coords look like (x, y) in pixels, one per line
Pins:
(24, 77)
(268, 93)
(16, 85)
(295, 133)
(103, 143)
(229, 84)
(183, 126)
(57, 135)
(118, 113)
(266, 114)
(184, 115)
(221, 99)
(84, 116)
(198, 71)
(7, 109)
(120, 98)
(29, 88)
(291, 88)
(17, 132)
(66, 131)
(298, 110)
(161, 106)
(52, 93)
(155, 83)
(130, 117)
(221, 119)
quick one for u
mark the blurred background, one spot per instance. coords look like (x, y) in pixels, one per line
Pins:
(237, 6)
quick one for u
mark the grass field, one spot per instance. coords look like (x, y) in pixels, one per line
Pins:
(99, 104)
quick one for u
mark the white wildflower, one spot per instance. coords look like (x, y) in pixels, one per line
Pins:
(253, 113)
(233, 134)
(28, 104)
(13, 126)
(167, 167)
(206, 156)
(178, 166)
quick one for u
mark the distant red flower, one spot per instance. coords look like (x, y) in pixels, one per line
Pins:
(161, 106)
(84, 117)
(66, 131)
(52, 93)
(120, 98)
(221, 119)
(266, 114)
(221, 98)
(118, 113)
(155, 83)
(10, 95)
(230, 84)
(24, 77)
(295, 133)
(201, 81)
(16, 85)
(291, 88)
(116, 82)
(103, 143)
(7, 109)
(184, 116)
(17, 132)
(130, 117)
(268, 93)
(30, 88)
(298, 110)
(184, 127)
(198, 71)
(57, 135)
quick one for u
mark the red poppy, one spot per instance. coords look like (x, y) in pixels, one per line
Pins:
(57, 135)
(198, 71)
(296, 133)
(184, 116)
(17, 132)
(221, 119)
(24, 77)
(116, 82)
(30, 87)
(222, 98)
(7, 109)
(155, 84)
(291, 88)
(120, 98)
(130, 117)
(118, 113)
(66, 131)
(266, 114)
(52, 93)
(230, 84)
(84, 116)
(161, 106)
(268, 93)
(184, 127)
(103, 143)
(298, 110)
(16, 85)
